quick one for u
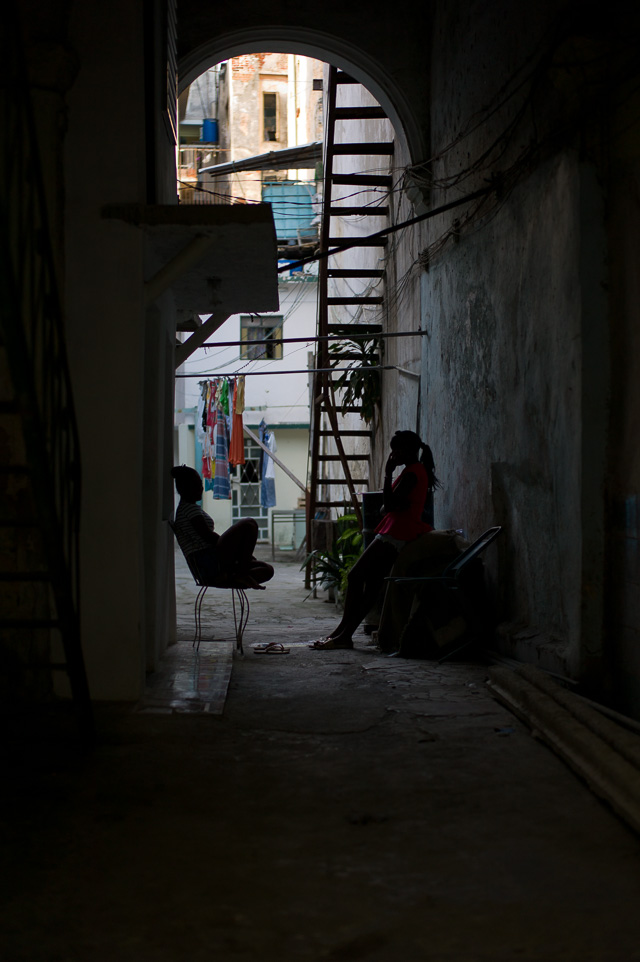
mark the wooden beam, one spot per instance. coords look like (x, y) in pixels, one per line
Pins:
(186, 349)
(256, 439)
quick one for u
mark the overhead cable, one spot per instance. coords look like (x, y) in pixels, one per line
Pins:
(361, 242)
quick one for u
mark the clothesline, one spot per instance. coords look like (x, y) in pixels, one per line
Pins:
(302, 370)
(220, 433)
(316, 337)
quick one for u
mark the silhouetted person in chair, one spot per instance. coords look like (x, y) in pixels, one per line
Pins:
(222, 560)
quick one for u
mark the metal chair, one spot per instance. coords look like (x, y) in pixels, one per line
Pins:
(241, 606)
(453, 577)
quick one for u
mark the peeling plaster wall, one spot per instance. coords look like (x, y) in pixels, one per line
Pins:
(515, 368)
(501, 396)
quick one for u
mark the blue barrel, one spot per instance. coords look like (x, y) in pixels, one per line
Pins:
(209, 132)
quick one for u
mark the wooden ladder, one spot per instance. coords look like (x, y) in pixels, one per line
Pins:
(325, 410)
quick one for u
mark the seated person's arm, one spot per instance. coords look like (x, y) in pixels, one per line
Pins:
(201, 527)
(396, 499)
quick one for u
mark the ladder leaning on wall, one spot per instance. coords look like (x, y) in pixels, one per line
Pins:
(325, 409)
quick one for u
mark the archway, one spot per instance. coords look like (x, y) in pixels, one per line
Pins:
(322, 46)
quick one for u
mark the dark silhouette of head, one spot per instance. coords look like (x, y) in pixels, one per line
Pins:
(188, 482)
(409, 443)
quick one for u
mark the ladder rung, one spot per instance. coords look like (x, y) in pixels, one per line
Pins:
(348, 329)
(348, 410)
(354, 272)
(360, 211)
(358, 241)
(359, 113)
(346, 434)
(354, 481)
(362, 180)
(333, 504)
(363, 148)
(348, 457)
(351, 357)
(355, 300)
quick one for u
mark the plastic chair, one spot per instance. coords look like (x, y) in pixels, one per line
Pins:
(241, 606)
(453, 577)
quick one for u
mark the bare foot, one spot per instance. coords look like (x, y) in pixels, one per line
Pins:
(331, 644)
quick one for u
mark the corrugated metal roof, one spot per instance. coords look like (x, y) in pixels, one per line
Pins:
(292, 158)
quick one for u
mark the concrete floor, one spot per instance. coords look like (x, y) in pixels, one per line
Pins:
(343, 807)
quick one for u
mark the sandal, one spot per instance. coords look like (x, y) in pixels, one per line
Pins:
(273, 648)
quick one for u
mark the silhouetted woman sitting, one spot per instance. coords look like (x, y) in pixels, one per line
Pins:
(404, 503)
(220, 559)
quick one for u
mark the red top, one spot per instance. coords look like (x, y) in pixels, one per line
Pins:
(408, 524)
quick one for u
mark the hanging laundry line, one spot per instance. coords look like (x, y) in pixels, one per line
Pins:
(302, 370)
(219, 431)
(315, 337)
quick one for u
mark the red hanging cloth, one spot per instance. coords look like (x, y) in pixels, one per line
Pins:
(236, 446)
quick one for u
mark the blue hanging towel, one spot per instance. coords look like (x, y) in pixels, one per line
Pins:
(221, 483)
(268, 484)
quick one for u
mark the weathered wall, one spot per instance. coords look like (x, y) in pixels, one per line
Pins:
(623, 610)
(106, 336)
(251, 75)
(516, 373)
(501, 395)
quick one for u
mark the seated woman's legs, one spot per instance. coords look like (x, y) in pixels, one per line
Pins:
(364, 585)
(260, 571)
(235, 549)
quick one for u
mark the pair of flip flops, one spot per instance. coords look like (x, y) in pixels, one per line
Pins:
(273, 648)
(328, 644)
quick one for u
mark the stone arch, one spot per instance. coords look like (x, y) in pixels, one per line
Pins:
(322, 46)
